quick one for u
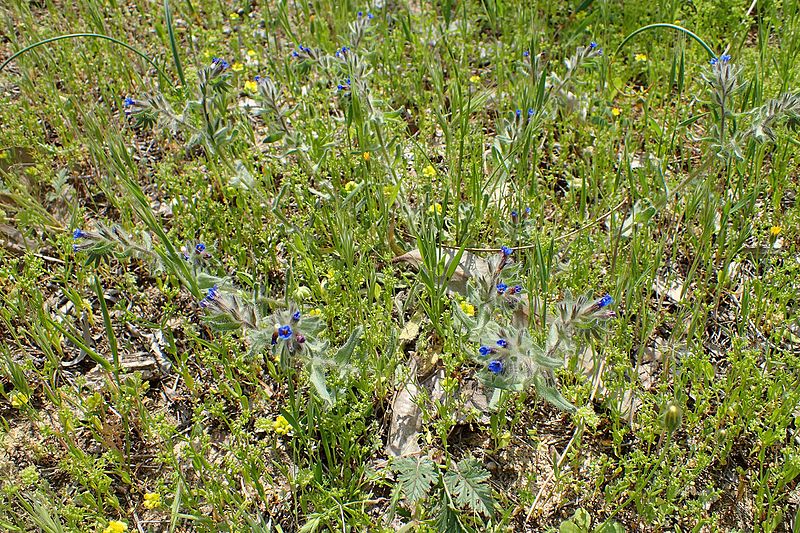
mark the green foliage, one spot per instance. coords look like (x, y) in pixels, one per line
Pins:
(451, 491)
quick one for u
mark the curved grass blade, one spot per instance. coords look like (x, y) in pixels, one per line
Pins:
(89, 35)
(649, 27)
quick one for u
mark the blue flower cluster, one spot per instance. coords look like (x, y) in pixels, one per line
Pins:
(210, 297)
(724, 59)
(515, 214)
(344, 86)
(219, 62)
(341, 52)
(300, 48)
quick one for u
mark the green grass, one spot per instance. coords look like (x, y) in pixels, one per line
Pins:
(644, 179)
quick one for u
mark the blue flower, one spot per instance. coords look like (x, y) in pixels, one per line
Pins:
(495, 367)
(485, 350)
(713, 61)
(527, 210)
(370, 16)
(296, 316)
(200, 248)
(592, 45)
(514, 214)
(518, 113)
(501, 288)
(502, 343)
(725, 58)
(257, 79)
(605, 301)
(530, 112)
(506, 251)
(526, 53)
(360, 14)
(79, 234)
(218, 61)
(517, 289)
(295, 54)
(285, 332)
(211, 295)
(128, 102)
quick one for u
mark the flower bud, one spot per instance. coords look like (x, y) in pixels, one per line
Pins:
(672, 417)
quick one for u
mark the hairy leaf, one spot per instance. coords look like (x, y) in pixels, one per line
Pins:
(467, 482)
(416, 475)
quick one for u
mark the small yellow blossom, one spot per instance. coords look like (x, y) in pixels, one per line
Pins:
(281, 426)
(474, 78)
(435, 208)
(115, 526)
(237, 67)
(315, 312)
(640, 57)
(234, 16)
(468, 308)
(429, 171)
(775, 231)
(366, 156)
(349, 186)
(152, 500)
(251, 53)
(250, 86)
(18, 399)
(3, 154)
(616, 111)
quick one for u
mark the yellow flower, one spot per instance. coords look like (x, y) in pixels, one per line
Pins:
(250, 86)
(474, 78)
(366, 156)
(435, 208)
(429, 171)
(237, 67)
(616, 111)
(315, 312)
(115, 526)
(251, 53)
(775, 231)
(349, 186)
(18, 399)
(281, 426)
(234, 16)
(152, 500)
(640, 57)
(468, 308)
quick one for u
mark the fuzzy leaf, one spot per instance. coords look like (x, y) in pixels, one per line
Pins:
(551, 394)
(344, 353)
(467, 482)
(317, 378)
(416, 476)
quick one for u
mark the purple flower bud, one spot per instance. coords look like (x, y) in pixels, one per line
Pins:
(300, 338)
(296, 316)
